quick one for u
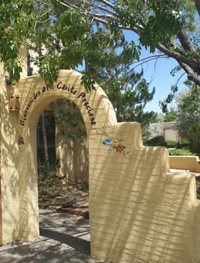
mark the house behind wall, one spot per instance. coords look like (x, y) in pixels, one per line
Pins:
(166, 129)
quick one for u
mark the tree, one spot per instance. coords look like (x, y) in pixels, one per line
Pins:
(188, 109)
(128, 93)
(169, 26)
(170, 115)
(165, 25)
(69, 119)
(127, 90)
(194, 138)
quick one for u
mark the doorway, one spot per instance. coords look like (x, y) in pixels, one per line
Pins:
(63, 177)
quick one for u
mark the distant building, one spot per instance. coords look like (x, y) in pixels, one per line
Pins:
(166, 129)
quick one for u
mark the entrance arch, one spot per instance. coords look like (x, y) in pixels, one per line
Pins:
(138, 210)
(97, 112)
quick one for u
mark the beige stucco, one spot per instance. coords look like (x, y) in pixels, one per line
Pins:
(73, 159)
(139, 212)
(191, 163)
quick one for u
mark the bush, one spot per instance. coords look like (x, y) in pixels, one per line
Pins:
(181, 152)
(194, 138)
(171, 144)
(184, 143)
(49, 184)
(157, 141)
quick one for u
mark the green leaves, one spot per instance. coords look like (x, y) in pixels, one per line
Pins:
(15, 25)
(130, 50)
(13, 68)
(49, 68)
(88, 81)
(161, 27)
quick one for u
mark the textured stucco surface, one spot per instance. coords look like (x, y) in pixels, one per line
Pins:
(191, 163)
(139, 212)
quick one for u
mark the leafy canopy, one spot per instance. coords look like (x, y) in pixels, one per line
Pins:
(69, 31)
(188, 109)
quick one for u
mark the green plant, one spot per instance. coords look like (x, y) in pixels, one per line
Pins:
(181, 152)
(183, 144)
(171, 144)
(49, 184)
(156, 141)
(46, 169)
(194, 138)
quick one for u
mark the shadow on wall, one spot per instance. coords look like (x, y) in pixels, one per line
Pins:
(144, 212)
(73, 156)
(9, 157)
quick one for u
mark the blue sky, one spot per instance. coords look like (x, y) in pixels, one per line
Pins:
(159, 75)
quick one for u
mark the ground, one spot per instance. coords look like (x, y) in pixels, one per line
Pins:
(63, 198)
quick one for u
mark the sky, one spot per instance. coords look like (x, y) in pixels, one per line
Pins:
(159, 76)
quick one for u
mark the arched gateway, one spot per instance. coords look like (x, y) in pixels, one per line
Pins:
(139, 212)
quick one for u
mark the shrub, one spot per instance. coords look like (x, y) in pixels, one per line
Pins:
(49, 184)
(171, 144)
(184, 143)
(157, 141)
(194, 138)
(181, 152)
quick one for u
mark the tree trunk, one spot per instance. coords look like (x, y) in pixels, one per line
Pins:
(44, 137)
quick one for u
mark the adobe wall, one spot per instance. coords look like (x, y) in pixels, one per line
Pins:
(190, 163)
(139, 212)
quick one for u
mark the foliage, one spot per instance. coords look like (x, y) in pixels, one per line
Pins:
(69, 119)
(183, 144)
(181, 152)
(156, 141)
(127, 90)
(155, 129)
(194, 138)
(171, 144)
(53, 191)
(188, 109)
(49, 184)
(46, 170)
(70, 30)
(170, 115)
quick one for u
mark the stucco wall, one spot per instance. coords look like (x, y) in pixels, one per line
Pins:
(190, 163)
(74, 161)
(139, 212)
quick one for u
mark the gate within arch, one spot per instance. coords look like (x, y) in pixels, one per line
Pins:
(139, 212)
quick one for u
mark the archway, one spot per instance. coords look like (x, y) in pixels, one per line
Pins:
(97, 112)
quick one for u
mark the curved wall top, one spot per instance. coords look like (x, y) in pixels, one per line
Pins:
(96, 109)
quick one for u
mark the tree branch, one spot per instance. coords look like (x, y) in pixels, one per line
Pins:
(185, 41)
(190, 74)
(146, 60)
(107, 3)
(197, 4)
(179, 58)
(104, 9)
